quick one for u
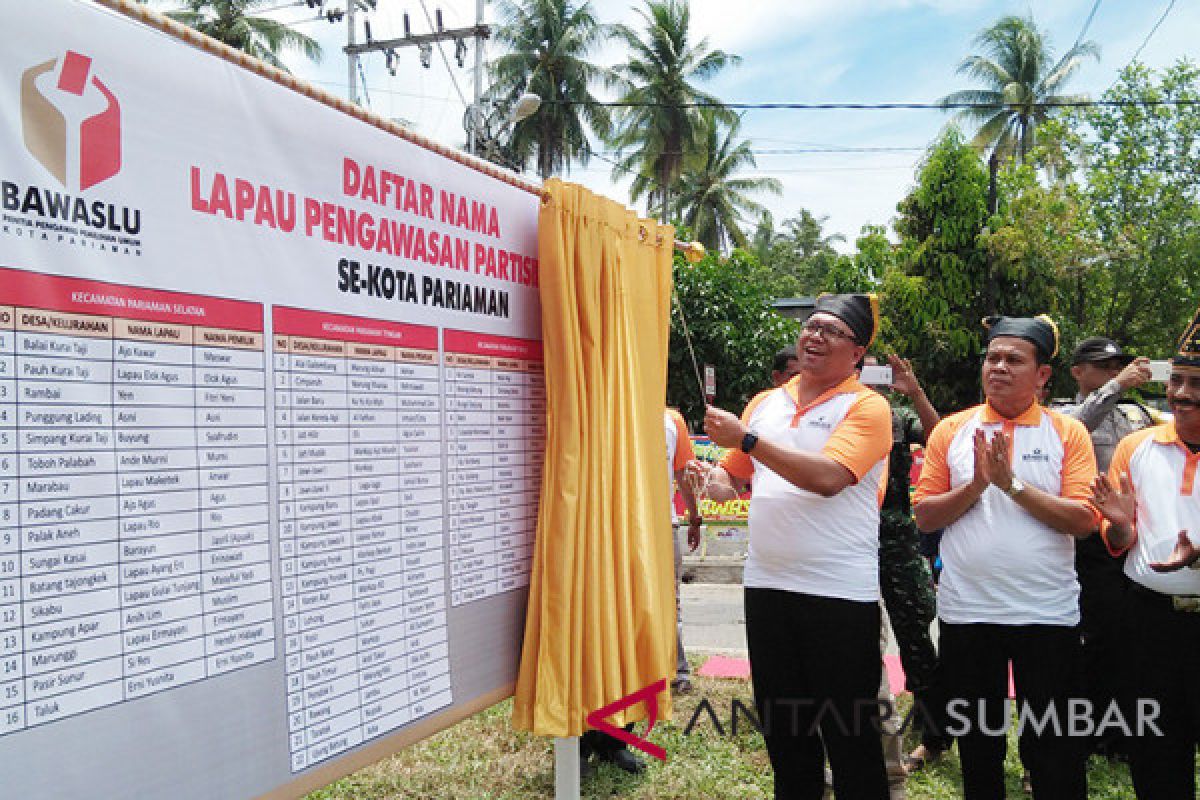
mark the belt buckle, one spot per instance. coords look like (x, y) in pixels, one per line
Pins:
(1186, 603)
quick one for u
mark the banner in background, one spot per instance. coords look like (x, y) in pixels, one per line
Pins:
(271, 424)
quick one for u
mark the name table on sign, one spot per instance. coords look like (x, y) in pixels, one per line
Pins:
(358, 433)
(134, 544)
(496, 429)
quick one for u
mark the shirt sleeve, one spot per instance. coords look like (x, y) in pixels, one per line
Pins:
(1097, 405)
(735, 462)
(1079, 462)
(864, 436)
(1116, 468)
(683, 443)
(935, 472)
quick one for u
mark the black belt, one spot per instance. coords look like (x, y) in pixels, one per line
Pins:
(1186, 603)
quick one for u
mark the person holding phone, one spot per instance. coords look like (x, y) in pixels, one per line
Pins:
(1103, 371)
(815, 450)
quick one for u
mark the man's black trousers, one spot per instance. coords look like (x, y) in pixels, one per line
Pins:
(1164, 649)
(816, 667)
(974, 676)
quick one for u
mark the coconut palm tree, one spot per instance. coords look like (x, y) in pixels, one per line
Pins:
(230, 21)
(548, 43)
(713, 200)
(662, 124)
(1020, 82)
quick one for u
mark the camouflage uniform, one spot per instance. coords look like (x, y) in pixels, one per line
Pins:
(904, 576)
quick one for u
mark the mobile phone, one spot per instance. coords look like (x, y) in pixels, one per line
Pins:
(1160, 371)
(876, 375)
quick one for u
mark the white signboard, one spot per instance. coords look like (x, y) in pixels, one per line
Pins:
(271, 424)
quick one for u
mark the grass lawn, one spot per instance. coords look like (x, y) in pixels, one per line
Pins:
(483, 758)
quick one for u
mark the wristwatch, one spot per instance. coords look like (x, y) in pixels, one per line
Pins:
(748, 442)
(1016, 487)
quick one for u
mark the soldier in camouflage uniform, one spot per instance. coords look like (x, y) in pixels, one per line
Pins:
(904, 575)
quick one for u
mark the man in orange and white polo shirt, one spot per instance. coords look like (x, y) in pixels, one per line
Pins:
(1151, 503)
(815, 451)
(679, 453)
(1009, 482)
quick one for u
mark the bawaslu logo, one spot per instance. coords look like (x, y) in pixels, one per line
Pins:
(76, 123)
(71, 124)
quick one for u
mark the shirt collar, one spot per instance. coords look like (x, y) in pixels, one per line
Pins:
(1166, 434)
(1031, 416)
(792, 387)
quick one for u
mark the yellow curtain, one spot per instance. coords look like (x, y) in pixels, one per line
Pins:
(601, 616)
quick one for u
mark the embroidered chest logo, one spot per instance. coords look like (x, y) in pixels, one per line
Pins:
(819, 422)
(1037, 456)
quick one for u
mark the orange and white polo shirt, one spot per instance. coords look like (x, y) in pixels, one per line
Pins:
(799, 540)
(1001, 565)
(1163, 472)
(679, 448)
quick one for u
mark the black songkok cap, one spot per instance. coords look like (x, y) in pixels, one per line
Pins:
(1040, 330)
(1098, 348)
(859, 311)
(1188, 357)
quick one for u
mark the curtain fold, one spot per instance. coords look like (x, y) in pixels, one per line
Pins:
(601, 617)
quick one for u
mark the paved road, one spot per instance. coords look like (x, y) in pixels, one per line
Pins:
(713, 619)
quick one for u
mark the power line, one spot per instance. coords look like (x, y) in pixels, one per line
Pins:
(788, 151)
(874, 106)
(1153, 30)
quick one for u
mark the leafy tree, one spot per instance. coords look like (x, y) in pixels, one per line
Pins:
(659, 79)
(865, 270)
(764, 236)
(1141, 183)
(712, 199)
(801, 255)
(549, 43)
(1017, 77)
(727, 310)
(933, 302)
(231, 22)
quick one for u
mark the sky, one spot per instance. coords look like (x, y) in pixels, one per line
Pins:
(795, 51)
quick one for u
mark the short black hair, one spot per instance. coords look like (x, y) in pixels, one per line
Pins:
(782, 358)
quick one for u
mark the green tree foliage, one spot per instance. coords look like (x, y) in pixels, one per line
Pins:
(933, 302)
(660, 78)
(548, 45)
(714, 201)
(727, 309)
(1118, 232)
(1143, 189)
(232, 22)
(801, 255)
(865, 270)
(1016, 74)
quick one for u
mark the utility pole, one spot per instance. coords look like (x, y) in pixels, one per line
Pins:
(351, 55)
(476, 114)
(479, 32)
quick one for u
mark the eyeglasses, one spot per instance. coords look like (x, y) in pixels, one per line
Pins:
(826, 332)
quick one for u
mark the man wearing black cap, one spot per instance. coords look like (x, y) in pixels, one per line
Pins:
(815, 450)
(1009, 481)
(1102, 370)
(1151, 503)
